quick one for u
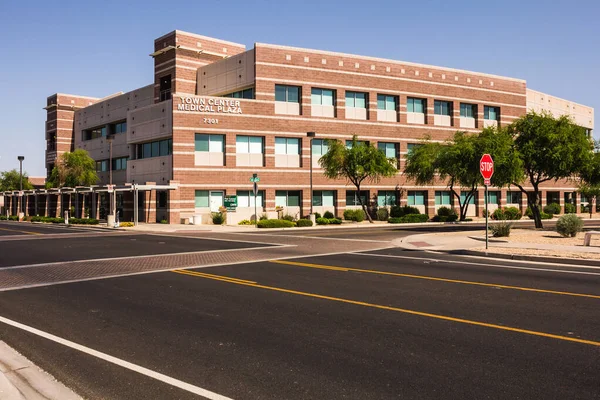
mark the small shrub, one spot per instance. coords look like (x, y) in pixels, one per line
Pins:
(246, 222)
(275, 223)
(354, 215)
(126, 225)
(288, 217)
(383, 214)
(303, 223)
(569, 225)
(348, 215)
(499, 215)
(445, 211)
(543, 214)
(410, 210)
(322, 221)
(3, 218)
(218, 218)
(485, 213)
(500, 229)
(445, 214)
(395, 220)
(552, 208)
(318, 215)
(263, 217)
(414, 218)
(585, 208)
(335, 221)
(84, 221)
(546, 215)
(512, 213)
(570, 208)
(328, 215)
(396, 212)
(13, 218)
(164, 221)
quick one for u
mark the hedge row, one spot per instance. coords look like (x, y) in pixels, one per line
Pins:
(329, 221)
(275, 223)
(409, 219)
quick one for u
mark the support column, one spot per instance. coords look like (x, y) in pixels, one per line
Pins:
(58, 205)
(430, 202)
(173, 204)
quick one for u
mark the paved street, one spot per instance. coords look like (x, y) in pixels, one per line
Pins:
(296, 315)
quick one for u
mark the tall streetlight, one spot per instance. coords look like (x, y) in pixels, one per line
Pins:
(21, 158)
(311, 135)
(111, 201)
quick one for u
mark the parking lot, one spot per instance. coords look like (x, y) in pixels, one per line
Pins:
(277, 316)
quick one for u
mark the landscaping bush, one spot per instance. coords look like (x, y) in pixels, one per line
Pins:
(3, 218)
(544, 215)
(409, 219)
(322, 221)
(445, 214)
(164, 221)
(512, 213)
(383, 214)
(13, 218)
(409, 210)
(570, 208)
(263, 217)
(83, 221)
(500, 229)
(552, 208)
(569, 225)
(246, 222)
(218, 218)
(328, 215)
(275, 223)
(126, 225)
(395, 220)
(318, 215)
(585, 208)
(396, 212)
(335, 221)
(303, 222)
(288, 217)
(354, 215)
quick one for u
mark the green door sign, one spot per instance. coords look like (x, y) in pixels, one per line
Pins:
(231, 203)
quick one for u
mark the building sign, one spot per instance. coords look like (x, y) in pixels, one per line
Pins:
(231, 203)
(219, 106)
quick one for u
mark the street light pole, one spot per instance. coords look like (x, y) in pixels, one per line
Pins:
(109, 138)
(21, 158)
(311, 135)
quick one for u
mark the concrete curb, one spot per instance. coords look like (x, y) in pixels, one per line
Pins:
(519, 257)
(20, 379)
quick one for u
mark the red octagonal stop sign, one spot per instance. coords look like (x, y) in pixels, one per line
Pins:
(486, 166)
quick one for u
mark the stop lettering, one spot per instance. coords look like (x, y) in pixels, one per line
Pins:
(486, 166)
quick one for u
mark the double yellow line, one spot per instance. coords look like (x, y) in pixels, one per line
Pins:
(382, 307)
(20, 231)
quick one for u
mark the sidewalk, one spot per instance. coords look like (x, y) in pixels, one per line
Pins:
(20, 379)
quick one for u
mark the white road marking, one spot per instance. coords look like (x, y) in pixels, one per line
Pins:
(488, 265)
(117, 361)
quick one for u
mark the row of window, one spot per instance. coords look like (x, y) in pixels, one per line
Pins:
(103, 131)
(118, 164)
(157, 148)
(360, 100)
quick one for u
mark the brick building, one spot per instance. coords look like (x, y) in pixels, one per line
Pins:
(217, 113)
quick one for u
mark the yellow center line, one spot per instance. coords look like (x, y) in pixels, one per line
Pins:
(396, 309)
(431, 278)
(205, 275)
(20, 231)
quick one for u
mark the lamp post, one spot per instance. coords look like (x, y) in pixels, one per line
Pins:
(112, 202)
(311, 135)
(21, 158)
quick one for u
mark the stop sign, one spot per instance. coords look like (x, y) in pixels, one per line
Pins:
(486, 166)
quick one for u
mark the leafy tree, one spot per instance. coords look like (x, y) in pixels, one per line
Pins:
(549, 149)
(357, 163)
(75, 168)
(9, 180)
(590, 180)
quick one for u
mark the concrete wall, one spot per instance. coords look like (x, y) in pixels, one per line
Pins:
(228, 75)
(581, 115)
(155, 169)
(154, 121)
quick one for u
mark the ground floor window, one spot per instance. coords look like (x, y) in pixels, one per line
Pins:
(245, 198)
(552, 197)
(493, 197)
(387, 198)
(513, 197)
(352, 198)
(416, 198)
(443, 198)
(324, 198)
(463, 197)
(287, 198)
(209, 198)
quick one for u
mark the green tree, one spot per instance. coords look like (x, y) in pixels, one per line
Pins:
(357, 163)
(75, 168)
(549, 149)
(9, 180)
(589, 185)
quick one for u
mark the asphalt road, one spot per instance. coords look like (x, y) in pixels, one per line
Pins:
(9, 228)
(382, 325)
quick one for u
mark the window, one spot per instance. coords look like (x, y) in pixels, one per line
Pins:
(493, 197)
(290, 146)
(94, 133)
(157, 148)
(385, 102)
(491, 113)
(442, 108)
(165, 88)
(387, 198)
(249, 144)
(325, 198)
(463, 197)
(467, 110)
(443, 198)
(584, 199)
(389, 149)
(352, 197)
(359, 142)
(287, 198)
(102, 166)
(201, 198)
(241, 94)
(416, 198)
(120, 127)
(411, 146)
(416, 105)
(246, 198)
(321, 97)
(356, 99)
(209, 143)
(513, 197)
(289, 94)
(319, 147)
(119, 164)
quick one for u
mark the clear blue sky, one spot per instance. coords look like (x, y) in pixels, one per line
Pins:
(97, 48)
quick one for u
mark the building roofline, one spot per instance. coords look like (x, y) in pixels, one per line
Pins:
(559, 98)
(333, 53)
(74, 95)
(176, 31)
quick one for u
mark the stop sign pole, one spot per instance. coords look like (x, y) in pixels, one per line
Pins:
(486, 167)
